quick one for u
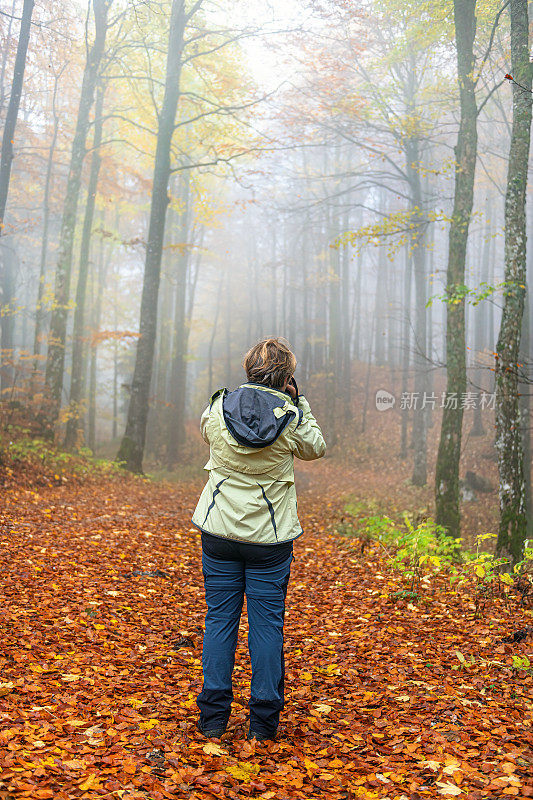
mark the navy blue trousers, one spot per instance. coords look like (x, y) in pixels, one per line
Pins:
(231, 570)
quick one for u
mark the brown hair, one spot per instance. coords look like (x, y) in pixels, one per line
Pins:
(270, 362)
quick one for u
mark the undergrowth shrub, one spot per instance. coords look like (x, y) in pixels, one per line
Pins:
(486, 576)
(31, 460)
(417, 550)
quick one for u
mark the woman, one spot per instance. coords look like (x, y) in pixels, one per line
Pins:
(248, 518)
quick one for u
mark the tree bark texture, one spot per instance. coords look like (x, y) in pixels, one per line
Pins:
(7, 294)
(7, 278)
(131, 450)
(449, 453)
(176, 432)
(55, 361)
(39, 310)
(8, 137)
(509, 445)
(418, 255)
(74, 432)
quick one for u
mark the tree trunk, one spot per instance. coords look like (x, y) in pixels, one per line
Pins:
(160, 416)
(392, 333)
(525, 389)
(103, 263)
(5, 55)
(357, 348)
(8, 137)
(212, 341)
(74, 432)
(176, 433)
(306, 334)
(406, 348)
(430, 419)
(55, 360)
(449, 454)
(131, 450)
(227, 333)
(256, 294)
(379, 310)
(39, 310)
(525, 411)
(7, 294)
(291, 268)
(490, 332)
(273, 287)
(371, 341)
(479, 323)
(513, 521)
(418, 255)
(333, 382)
(284, 288)
(7, 278)
(346, 329)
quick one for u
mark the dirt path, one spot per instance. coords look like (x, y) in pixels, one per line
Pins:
(101, 666)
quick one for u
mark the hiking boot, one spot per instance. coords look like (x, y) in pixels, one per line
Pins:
(213, 733)
(261, 737)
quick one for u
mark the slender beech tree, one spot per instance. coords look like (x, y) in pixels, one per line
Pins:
(346, 319)
(406, 342)
(74, 432)
(479, 322)
(103, 259)
(8, 271)
(509, 445)
(449, 453)
(39, 310)
(6, 160)
(525, 411)
(178, 367)
(212, 337)
(55, 361)
(8, 137)
(418, 247)
(5, 56)
(132, 446)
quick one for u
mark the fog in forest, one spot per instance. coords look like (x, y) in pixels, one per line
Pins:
(187, 178)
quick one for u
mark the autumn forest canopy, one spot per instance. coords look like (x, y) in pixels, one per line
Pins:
(179, 180)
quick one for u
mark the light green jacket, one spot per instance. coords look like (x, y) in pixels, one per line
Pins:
(250, 495)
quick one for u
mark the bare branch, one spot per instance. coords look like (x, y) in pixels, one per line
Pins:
(489, 95)
(491, 39)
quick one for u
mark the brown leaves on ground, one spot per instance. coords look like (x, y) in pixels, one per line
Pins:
(101, 630)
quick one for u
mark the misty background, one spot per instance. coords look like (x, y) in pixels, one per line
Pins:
(311, 181)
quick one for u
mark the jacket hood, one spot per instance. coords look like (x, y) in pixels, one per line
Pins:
(255, 416)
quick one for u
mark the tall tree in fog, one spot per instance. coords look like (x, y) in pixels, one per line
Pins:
(39, 310)
(178, 366)
(412, 145)
(6, 159)
(513, 519)
(55, 361)
(131, 450)
(8, 137)
(74, 430)
(214, 91)
(393, 67)
(447, 468)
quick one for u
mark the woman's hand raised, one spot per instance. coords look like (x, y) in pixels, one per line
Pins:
(292, 388)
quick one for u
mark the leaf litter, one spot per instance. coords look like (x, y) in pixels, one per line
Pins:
(99, 671)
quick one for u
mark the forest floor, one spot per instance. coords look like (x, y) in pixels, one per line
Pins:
(101, 630)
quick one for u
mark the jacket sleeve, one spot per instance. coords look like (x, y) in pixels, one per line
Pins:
(203, 423)
(307, 440)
